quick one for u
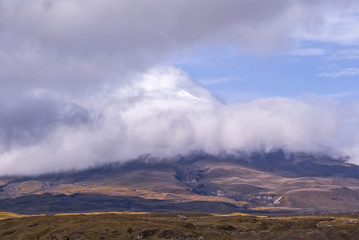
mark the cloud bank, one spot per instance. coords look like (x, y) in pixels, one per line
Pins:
(165, 113)
(81, 81)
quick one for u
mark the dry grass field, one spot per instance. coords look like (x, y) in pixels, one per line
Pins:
(168, 226)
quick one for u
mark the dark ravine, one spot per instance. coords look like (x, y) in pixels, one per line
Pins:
(52, 204)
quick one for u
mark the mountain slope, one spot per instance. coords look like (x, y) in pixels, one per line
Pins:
(258, 182)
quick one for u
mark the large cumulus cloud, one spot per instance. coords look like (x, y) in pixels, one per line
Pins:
(165, 113)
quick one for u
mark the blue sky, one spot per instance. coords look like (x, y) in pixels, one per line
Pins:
(323, 69)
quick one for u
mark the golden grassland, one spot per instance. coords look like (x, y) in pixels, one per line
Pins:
(99, 213)
(144, 225)
(6, 215)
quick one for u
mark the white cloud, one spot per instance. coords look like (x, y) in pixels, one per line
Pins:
(337, 24)
(74, 90)
(72, 46)
(166, 113)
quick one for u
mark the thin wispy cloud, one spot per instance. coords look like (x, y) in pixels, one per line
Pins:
(347, 72)
(347, 54)
(214, 81)
(340, 95)
(308, 52)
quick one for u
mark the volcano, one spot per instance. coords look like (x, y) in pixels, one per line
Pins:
(273, 182)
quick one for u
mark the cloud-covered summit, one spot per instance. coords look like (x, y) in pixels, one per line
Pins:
(165, 113)
(82, 82)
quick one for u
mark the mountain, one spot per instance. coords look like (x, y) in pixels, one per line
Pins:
(264, 183)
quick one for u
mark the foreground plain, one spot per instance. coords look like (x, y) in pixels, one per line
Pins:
(169, 226)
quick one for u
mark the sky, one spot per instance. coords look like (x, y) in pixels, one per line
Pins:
(325, 70)
(84, 83)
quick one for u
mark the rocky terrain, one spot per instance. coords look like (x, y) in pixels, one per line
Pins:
(261, 183)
